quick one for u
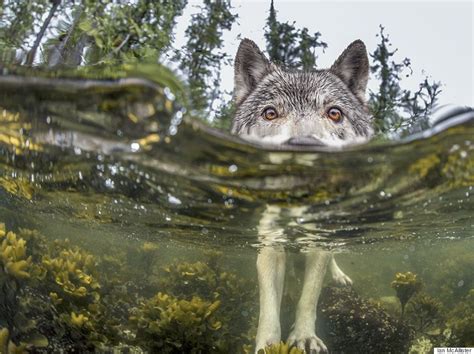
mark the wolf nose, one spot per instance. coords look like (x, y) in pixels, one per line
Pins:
(305, 140)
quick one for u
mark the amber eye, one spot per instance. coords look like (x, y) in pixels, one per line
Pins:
(334, 114)
(270, 113)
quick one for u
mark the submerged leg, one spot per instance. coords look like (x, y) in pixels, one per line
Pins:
(337, 275)
(271, 275)
(304, 331)
(271, 272)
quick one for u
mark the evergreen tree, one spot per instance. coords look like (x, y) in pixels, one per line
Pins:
(307, 48)
(289, 46)
(69, 32)
(395, 109)
(202, 57)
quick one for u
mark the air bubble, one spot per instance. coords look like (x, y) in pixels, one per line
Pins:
(173, 200)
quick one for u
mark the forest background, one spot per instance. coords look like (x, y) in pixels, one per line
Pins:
(68, 33)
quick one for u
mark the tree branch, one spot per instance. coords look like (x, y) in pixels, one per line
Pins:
(32, 53)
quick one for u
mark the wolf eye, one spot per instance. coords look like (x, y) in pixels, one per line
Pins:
(334, 114)
(270, 113)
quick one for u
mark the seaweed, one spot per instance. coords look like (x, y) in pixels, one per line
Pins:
(16, 271)
(406, 285)
(15, 263)
(209, 281)
(461, 322)
(49, 290)
(425, 314)
(280, 348)
(9, 347)
(354, 325)
(167, 324)
(57, 296)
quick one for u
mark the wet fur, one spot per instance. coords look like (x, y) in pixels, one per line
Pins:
(302, 100)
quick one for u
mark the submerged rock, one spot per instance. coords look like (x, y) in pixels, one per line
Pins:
(351, 324)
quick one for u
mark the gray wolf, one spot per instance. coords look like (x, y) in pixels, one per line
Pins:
(279, 106)
(320, 107)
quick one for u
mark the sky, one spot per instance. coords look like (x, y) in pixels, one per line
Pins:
(436, 35)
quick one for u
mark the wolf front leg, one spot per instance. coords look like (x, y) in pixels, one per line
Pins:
(271, 271)
(271, 275)
(303, 334)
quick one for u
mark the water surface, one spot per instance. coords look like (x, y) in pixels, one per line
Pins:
(119, 169)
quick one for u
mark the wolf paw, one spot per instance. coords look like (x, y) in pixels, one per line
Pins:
(309, 342)
(340, 278)
(266, 338)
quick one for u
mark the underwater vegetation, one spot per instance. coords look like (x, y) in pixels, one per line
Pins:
(59, 296)
(352, 324)
(455, 168)
(280, 348)
(461, 322)
(208, 280)
(7, 346)
(431, 324)
(13, 255)
(425, 314)
(167, 324)
(406, 285)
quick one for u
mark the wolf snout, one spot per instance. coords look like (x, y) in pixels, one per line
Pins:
(305, 140)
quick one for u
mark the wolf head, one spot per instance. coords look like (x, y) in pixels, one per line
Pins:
(320, 107)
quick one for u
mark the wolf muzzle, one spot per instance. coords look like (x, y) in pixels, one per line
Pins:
(305, 141)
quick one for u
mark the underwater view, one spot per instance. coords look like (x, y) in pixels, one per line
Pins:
(126, 226)
(143, 211)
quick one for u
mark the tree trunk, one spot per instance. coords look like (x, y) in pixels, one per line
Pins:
(32, 53)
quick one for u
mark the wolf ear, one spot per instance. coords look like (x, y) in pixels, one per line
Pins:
(352, 67)
(249, 68)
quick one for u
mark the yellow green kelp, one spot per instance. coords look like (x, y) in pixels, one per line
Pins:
(9, 347)
(48, 287)
(432, 324)
(14, 261)
(18, 186)
(167, 324)
(456, 166)
(61, 297)
(459, 167)
(11, 132)
(406, 285)
(16, 272)
(280, 348)
(73, 272)
(208, 280)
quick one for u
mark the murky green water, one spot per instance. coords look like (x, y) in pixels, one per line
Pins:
(147, 227)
